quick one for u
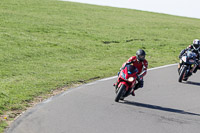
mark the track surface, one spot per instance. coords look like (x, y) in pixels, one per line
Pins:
(163, 105)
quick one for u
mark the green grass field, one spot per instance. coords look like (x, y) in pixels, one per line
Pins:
(48, 44)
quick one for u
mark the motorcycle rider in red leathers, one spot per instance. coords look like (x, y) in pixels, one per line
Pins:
(141, 64)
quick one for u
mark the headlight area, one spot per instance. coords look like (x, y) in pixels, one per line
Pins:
(130, 79)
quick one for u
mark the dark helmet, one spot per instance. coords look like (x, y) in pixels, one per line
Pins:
(140, 54)
(196, 44)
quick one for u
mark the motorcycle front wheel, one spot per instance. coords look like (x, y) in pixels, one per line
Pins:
(182, 74)
(120, 92)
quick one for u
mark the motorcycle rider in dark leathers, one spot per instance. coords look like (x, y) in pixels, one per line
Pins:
(195, 47)
(141, 64)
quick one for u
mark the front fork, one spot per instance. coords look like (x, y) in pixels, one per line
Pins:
(179, 67)
(190, 69)
(129, 89)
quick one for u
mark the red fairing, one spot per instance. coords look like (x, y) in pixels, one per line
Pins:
(121, 80)
(126, 82)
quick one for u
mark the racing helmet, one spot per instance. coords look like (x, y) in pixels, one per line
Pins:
(140, 54)
(196, 44)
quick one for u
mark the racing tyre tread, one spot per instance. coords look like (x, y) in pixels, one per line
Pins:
(120, 93)
(183, 71)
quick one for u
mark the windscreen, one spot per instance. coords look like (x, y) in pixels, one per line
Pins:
(131, 69)
(191, 54)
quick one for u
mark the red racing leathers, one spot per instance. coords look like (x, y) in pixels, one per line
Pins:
(140, 65)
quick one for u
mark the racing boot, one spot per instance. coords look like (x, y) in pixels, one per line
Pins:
(133, 90)
(133, 93)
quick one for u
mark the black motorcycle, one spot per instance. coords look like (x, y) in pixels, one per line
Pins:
(188, 64)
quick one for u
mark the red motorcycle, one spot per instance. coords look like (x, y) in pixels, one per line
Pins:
(126, 82)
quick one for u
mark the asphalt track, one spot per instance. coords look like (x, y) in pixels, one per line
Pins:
(162, 106)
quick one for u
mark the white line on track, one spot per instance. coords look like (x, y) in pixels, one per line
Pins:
(162, 66)
(148, 70)
(105, 79)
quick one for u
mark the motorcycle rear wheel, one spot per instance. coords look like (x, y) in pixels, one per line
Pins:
(182, 74)
(120, 93)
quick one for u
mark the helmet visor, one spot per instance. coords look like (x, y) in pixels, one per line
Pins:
(196, 46)
(141, 57)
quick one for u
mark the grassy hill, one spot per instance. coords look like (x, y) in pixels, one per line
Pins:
(48, 44)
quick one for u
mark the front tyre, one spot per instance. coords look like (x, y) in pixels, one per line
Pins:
(182, 74)
(120, 93)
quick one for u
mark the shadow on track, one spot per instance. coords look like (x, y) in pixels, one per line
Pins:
(159, 108)
(192, 83)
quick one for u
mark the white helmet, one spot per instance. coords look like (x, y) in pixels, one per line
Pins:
(196, 44)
